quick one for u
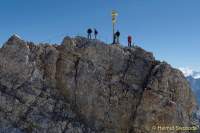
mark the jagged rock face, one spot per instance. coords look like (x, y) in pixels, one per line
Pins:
(86, 86)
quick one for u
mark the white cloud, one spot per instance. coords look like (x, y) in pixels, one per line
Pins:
(186, 71)
(17, 36)
(190, 72)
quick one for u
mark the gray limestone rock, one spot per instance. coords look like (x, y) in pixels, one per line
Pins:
(87, 86)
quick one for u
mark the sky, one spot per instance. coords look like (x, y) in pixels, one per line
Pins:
(168, 28)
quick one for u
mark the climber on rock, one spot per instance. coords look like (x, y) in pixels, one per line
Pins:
(114, 40)
(95, 33)
(89, 31)
(117, 35)
(129, 41)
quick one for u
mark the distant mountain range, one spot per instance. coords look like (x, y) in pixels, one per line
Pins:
(195, 84)
(194, 79)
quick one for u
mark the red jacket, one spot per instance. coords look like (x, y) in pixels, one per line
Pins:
(129, 38)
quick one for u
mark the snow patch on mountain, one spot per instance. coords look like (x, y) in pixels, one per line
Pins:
(17, 36)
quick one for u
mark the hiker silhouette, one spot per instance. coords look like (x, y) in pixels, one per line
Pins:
(95, 33)
(89, 31)
(129, 41)
(117, 35)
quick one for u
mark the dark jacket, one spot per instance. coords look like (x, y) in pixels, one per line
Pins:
(117, 33)
(95, 32)
(89, 31)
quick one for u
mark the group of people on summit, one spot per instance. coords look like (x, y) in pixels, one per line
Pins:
(116, 36)
(89, 31)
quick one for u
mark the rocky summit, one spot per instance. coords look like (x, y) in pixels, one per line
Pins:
(87, 86)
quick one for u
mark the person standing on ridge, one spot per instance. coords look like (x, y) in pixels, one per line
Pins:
(129, 41)
(89, 31)
(114, 39)
(117, 34)
(95, 33)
